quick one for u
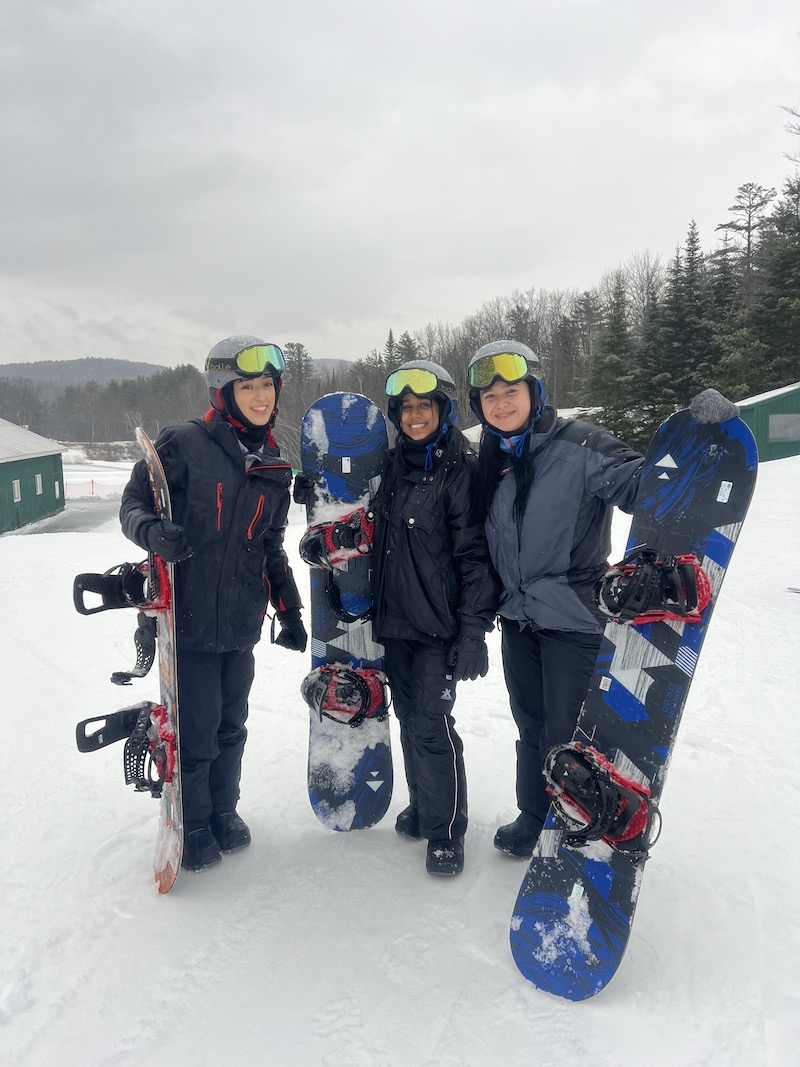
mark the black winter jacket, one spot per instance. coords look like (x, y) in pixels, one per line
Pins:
(433, 578)
(234, 520)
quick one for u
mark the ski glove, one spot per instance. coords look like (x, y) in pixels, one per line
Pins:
(303, 489)
(293, 634)
(168, 540)
(469, 659)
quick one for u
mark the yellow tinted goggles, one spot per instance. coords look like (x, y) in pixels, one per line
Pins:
(418, 381)
(259, 359)
(510, 366)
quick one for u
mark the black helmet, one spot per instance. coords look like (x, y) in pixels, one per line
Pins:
(423, 378)
(242, 356)
(510, 361)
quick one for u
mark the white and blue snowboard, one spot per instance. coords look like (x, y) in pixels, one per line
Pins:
(575, 908)
(343, 450)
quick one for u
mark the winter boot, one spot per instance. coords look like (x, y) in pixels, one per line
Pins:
(200, 850)
(445, 857)
(518, 838)
(230, 830)
(407, 824)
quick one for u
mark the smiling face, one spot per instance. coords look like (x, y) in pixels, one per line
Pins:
(419, 416)
(505, 407)
(255, 398)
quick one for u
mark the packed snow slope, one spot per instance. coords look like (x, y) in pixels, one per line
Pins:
(316, 948)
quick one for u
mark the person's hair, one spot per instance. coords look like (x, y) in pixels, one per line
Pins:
(492, 461)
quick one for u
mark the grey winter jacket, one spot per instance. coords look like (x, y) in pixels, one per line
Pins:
(549, 563)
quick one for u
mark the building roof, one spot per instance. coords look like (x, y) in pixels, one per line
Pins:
(18, 443)
(767, 396)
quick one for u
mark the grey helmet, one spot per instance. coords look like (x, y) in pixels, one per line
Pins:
(430, 379)
(488, 365)
(242, 356)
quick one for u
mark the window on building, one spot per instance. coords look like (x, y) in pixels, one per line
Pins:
(16, 491)
(784, 427)
(58, 490)
(38, 485)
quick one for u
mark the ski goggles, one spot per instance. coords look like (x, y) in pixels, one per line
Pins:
(510, 366)
(260, 359)
(249, 363)
(418, 381)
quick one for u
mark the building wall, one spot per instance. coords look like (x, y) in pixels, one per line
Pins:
(18, 478)
(775, 424)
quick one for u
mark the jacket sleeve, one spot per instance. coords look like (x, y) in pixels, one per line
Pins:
(612, 470)
(284, 595)
(479, 593)
(137, 510)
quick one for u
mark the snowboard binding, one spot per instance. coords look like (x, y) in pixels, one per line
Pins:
(330, 544)
(643, 589)
(348, 695)
(129, 585)
(150, 751)
(597, 802)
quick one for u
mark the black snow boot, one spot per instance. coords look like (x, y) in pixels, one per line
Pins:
(200, 850)
(230, 830)
(407, 824)
(445, 857)
(518, 838)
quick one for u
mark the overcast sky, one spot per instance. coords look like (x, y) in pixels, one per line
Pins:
(323, 171)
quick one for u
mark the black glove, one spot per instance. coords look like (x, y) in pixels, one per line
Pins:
(303, 489)
(293, 634)
(168, 540)
(469, 659)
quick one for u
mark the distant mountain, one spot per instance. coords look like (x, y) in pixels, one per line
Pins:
(329, 366)
(54, 375)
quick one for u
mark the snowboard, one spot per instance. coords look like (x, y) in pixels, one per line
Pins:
(343, 449)
(149, 728)
(574, 911)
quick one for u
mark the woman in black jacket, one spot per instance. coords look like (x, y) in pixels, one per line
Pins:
(435, 598)
(229, 489)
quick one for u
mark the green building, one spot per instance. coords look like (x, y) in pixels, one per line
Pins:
(774, 418)
(31, 477)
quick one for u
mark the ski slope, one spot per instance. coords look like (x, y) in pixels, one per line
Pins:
(316, 948)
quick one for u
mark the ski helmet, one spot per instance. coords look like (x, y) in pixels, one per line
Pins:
(510, 361)
(423, 378)
(242, 356)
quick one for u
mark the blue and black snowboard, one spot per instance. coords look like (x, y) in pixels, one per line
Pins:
(343, 450)
(575, 908)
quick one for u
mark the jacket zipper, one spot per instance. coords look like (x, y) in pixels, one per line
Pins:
(219, 506)
(256, 517)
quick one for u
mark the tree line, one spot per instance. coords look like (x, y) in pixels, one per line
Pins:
(629, 351)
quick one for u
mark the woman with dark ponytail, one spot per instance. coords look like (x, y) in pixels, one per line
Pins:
(545, 489)
(435, 598)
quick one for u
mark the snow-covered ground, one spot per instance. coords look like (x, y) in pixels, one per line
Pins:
(315, 948)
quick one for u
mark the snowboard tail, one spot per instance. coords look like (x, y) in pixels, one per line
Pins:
(575, 909)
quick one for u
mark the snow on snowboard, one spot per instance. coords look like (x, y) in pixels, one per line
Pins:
(152, 750)
(343, 448)
(575, 908)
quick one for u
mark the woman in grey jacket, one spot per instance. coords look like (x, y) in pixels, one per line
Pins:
(546, 488)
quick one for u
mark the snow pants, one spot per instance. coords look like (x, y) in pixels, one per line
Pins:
(213, 691)
(547, 673)
(423, 694)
